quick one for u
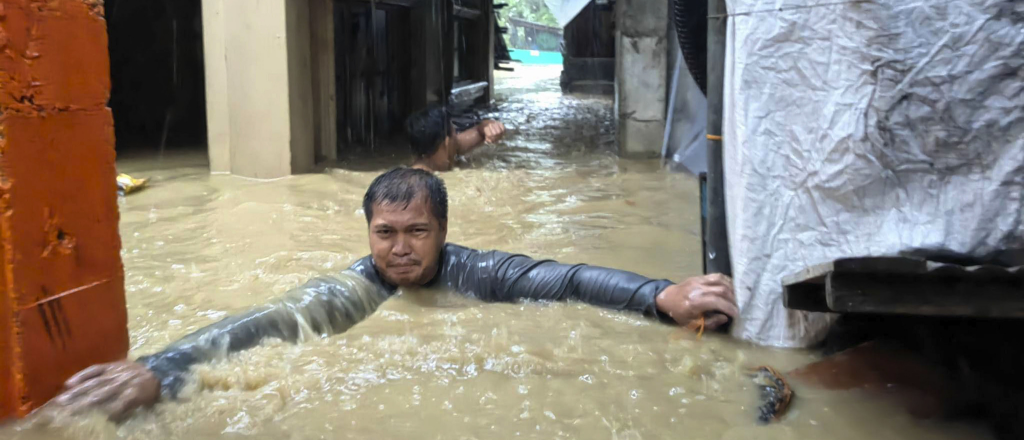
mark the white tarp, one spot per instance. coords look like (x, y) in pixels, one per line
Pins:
(867, 128)
(565, 10)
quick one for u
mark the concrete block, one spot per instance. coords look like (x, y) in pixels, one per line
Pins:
(48, 54)
(640, 139)
(641, 75)
(62, 306)
(640, 18)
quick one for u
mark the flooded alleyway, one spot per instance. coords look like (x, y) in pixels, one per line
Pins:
(427, 365)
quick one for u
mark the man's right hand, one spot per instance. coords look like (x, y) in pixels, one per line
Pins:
(117, 389)
(708, 296)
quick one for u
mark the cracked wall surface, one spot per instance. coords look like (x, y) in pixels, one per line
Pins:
(62, 299)
(641, 76)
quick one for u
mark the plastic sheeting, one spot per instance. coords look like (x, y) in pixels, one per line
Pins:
(685, 145)
(866, 129)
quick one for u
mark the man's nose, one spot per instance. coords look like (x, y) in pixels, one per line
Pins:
(401, 248)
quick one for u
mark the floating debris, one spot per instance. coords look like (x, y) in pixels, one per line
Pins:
(775, 393)
(127, 184)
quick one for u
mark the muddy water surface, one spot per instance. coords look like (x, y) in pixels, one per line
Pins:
(432, 365)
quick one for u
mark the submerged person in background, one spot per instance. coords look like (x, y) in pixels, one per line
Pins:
(407, 215)
(435, 142)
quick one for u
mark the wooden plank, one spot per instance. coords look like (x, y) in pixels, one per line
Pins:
(872, 265)
(880, 265)
(925, 294)
(812, 273)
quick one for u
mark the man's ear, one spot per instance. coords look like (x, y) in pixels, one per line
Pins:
(444, 228)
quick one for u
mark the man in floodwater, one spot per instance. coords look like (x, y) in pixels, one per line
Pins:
(407, 215)
(435, 142)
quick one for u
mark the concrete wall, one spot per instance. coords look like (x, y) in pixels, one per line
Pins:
(641, 75)
(300, 84)
(259, 86)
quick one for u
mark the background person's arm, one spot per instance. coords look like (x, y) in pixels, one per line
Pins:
(488, 131)
(328, 305)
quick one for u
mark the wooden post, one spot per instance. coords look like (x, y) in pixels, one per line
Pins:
(487, 9)
(325, 101)
(62, 305)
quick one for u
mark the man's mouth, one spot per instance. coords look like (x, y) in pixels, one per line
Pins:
(405, 267)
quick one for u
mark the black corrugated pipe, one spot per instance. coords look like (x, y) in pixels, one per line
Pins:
(716, 255)
(692, 31)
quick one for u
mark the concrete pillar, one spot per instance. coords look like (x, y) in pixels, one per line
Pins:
(641, 75)
(267, 93)
(218, 135)
(62, 305)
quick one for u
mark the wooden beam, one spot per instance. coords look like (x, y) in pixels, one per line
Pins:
(925, 295)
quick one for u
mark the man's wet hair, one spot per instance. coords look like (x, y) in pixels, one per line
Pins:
(427, 128)
(401, 186)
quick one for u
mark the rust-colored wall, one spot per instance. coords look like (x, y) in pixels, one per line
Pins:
(62, 302)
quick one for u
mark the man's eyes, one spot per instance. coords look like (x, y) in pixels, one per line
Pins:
(415, 231)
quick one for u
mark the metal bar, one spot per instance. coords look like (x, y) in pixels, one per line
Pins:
(346, 45)
(717, 254)
(702, 180)
(490, 38)
(466, 94)
(448, 48)
(371, 90)
(670, 116)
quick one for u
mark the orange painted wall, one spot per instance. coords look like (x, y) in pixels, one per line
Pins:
(62, 300)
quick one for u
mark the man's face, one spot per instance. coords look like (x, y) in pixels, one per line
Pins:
(406, 242)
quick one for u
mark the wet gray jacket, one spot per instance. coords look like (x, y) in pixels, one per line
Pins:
(331, 304)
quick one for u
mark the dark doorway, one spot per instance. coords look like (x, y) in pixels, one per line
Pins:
(156, 70)
(372, 60)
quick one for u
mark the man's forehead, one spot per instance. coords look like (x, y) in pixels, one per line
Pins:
(415, 211)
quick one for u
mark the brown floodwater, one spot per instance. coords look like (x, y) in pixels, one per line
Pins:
(431, 365)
